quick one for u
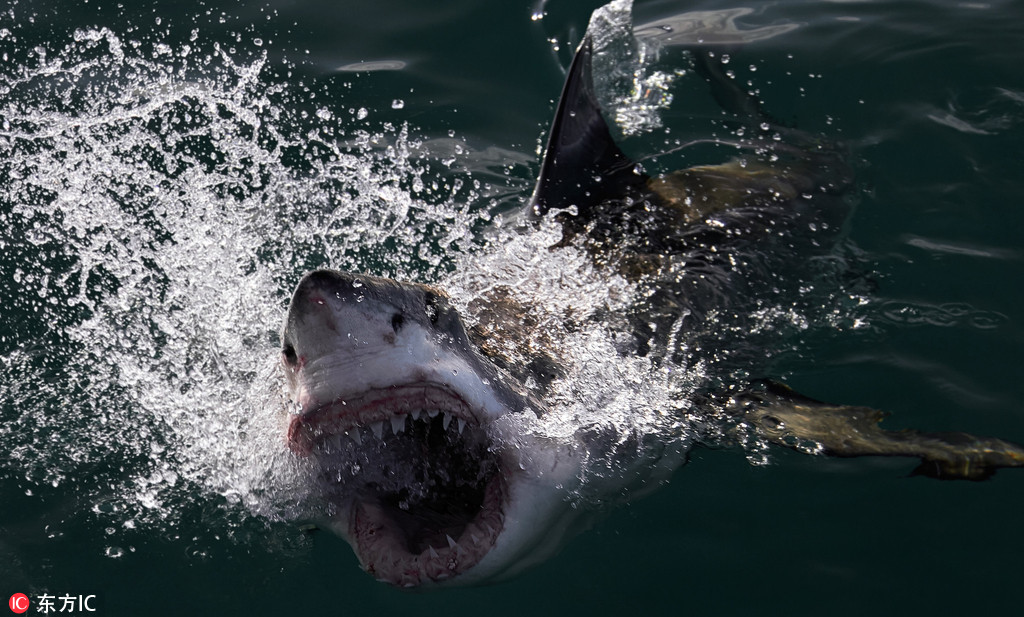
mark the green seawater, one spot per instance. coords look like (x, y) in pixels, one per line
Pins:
(927, 96)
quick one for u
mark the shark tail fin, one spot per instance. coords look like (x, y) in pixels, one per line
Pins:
(786, 418)
(582, 164)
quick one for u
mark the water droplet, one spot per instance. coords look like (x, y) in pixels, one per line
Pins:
(114, 552)
(397, 104)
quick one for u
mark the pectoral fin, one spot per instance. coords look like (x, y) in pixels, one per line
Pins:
(786, 418)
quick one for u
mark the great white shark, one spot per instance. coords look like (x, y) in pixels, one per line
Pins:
(412, 419)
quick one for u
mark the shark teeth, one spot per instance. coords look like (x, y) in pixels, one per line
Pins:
(397, 424)
(375, 410)
(378, 429)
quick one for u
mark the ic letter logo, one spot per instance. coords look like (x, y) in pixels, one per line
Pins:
(19, 603)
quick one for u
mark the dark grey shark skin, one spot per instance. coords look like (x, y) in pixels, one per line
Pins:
(412, 418)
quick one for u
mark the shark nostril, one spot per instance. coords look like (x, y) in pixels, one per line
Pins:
(289, 355)
(397, 321)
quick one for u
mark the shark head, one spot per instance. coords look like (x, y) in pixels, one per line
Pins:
(412, 435)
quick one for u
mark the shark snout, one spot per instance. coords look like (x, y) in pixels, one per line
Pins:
(318, 289)
(331, 310)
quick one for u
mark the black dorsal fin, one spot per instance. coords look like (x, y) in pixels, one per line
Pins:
(582, 164)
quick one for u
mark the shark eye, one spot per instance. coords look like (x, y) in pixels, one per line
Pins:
(290, 357)
(397, 322)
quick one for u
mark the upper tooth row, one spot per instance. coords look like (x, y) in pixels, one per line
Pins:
(397, 424)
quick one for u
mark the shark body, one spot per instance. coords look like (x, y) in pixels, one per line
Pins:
(414, 420)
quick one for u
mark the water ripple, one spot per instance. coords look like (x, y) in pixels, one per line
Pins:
(954, 314)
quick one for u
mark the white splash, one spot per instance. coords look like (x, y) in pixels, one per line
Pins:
(158, 206)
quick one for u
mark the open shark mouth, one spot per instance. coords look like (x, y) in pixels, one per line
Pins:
(414, 478)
